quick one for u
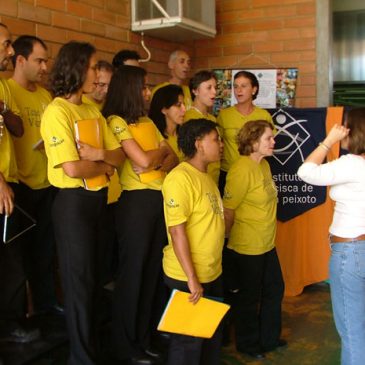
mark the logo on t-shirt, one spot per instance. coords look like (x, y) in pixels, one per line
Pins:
(55, 141)
(215, 203)
(118, 130)
(172, 204)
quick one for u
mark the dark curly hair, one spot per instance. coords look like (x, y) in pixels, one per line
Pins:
(355, 121)
(191, 131)
(249, 134)
(124, 97)
(198, 78)
(165, 97)
(253, 80)
(124, 55)
(70, 67)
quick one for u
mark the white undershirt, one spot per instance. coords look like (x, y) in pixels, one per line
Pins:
(346, 176)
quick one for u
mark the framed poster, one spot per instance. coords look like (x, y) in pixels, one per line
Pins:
(277, 87)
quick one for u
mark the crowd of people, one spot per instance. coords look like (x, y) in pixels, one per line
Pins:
(193, 207)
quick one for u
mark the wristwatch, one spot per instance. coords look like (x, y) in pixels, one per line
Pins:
(5, 108)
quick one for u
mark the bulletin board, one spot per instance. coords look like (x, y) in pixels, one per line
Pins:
(277, 87)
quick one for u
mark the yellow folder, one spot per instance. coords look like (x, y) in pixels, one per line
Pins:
(89, 131)
(145, 135)
(198, 320)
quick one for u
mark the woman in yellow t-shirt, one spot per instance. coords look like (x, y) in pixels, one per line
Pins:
(78, 213)
(231, 120)
(140, 228)
(203, 87)
(167, 111)
(249, 201)
(192, 261)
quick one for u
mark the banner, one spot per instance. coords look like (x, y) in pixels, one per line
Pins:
(298, 133)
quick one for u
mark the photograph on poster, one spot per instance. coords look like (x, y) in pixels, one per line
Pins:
(277, 88)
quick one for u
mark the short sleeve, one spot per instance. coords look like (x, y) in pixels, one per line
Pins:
(119, 128)
(58, 135)
(110, 141)
(177, 199)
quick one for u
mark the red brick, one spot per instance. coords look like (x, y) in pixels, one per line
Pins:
(117, 6)
(236, 28)
(306, 91)
(280, 35)
(299, 46)
(88, 26)
(280, 11)
(268, 3)
(308, 56)
(116, 33)
(80, 37)
(285, 58)
(106, 45)
(251, 14)
(232, 5)
(95, 3)
(104, 16)
(225, 61)
(52, 4)
(307, 9)
(308, 33)
(267, 24)
(307, 68)
(18, 27)
(236, 50)
(79, 9)
(268, 47)
(38, 15)
(122, 21)
(51, 33)
(9, 7)
(65, 21)
(300, 22)
(306, 102)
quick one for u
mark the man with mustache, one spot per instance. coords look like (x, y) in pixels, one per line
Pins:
(35, 194)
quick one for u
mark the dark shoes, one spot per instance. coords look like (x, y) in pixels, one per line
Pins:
(142, 360)
(254, 354)
(55, 309)
(281, 343)
(22, 335)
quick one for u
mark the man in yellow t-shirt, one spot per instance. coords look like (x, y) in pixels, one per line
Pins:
(104, 73)
(12, 279)
(35, 192)
(179, 65)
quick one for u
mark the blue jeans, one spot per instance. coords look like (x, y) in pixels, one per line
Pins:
(347, 274)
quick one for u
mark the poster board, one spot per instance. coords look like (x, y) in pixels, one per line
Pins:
(277, 87)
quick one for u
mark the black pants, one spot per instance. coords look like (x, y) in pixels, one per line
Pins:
(188, 350)
(39, 245)
(80, 226)
(141, 236)
(12, 277)
(257, 309)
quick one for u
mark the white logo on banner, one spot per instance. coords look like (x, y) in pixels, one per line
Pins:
(292, 136)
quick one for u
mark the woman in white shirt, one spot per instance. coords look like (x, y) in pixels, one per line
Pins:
(346, 176)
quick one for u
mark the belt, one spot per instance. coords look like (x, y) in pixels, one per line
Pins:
(336, 239)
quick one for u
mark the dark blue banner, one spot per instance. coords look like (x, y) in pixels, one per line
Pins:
(298, 133)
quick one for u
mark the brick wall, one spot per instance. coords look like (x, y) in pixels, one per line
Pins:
(278, 33)
(104, 23)
(265, 33)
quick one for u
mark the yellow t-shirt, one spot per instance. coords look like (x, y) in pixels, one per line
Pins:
(186, 91)
(88, 101)
(58, 133)
(128, 178)
(172, 141)
(230, 121)
(214, 167)
(251, 193)
(32, 163)
(8, 165)
(191, 196)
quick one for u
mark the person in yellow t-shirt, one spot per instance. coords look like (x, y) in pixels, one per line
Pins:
(250, 199)
(79, 215)
(231, 120)
(179, 65)
(140, 225)
(192, 261)
(203, 86)
(167, 111)
(104, 72)
(35, 193)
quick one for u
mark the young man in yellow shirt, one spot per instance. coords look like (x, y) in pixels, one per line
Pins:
(35, 194)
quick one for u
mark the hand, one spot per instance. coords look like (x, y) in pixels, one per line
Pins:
(89, 153)
(6, 198)
(110, 170)
(138, 169)
(196, 290)
(336, 134)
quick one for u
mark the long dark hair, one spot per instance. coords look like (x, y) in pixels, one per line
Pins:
(124, 97)
(165, 97)
(70, 67)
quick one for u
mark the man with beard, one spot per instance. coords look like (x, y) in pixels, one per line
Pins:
(35, 194)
